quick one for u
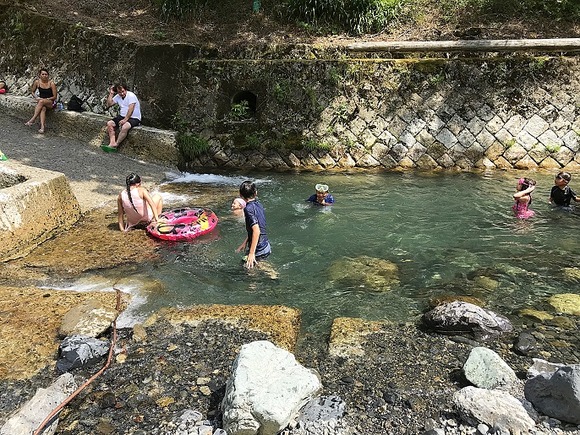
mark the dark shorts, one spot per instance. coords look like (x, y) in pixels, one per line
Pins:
(133, 121)
(258, 258)
(262, 257)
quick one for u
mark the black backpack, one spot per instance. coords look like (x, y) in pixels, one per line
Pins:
(75, 104)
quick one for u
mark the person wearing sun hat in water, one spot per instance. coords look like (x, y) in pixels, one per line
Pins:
(322, 196)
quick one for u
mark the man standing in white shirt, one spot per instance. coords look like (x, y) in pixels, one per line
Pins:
(129, 115)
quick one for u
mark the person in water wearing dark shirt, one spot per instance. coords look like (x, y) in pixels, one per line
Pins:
(43, 90)
(561, 193)
(257, 245)
(321, 197)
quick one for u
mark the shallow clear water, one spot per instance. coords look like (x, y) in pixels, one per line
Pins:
(442, 230)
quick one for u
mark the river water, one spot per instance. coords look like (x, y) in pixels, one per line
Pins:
(447, 233)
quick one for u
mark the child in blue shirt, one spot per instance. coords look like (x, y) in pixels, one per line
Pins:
(321, 197)
(257, 245)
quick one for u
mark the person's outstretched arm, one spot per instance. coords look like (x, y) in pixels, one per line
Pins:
(242, 246)
(251, 260)
(129, 114)
(54, 92)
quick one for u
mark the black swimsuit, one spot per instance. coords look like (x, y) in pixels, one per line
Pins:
(45, 93)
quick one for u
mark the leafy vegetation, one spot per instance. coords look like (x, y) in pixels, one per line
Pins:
(191, 145)
(312, 145)
(372, 16)
(556, 9)
(179, 8)
(240, 111)
(351, 16)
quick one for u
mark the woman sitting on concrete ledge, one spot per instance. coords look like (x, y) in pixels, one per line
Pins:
(43, 90)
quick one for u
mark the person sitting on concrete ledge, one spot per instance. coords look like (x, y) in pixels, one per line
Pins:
(43, 90)
(129, 114)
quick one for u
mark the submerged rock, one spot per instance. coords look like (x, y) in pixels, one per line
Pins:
(536, 314)
(465, 317)
(525, 344)
(373, 273)
(567, 303)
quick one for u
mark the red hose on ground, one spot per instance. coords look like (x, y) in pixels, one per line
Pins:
(56, 410)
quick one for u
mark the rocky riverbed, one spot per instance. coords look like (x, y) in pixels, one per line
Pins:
(394, 378)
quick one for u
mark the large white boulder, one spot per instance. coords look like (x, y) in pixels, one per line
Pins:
(266, 390)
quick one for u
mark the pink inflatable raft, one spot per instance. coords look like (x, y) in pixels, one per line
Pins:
(183, 224)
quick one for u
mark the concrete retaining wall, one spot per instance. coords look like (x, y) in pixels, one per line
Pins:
(35, 205)
(148, 143)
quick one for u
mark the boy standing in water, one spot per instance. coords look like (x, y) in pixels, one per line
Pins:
(256, 244)
(561, 194)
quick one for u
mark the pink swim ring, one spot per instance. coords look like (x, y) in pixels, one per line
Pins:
(183, 224)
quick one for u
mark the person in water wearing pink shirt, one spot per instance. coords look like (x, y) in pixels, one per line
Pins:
(523, 198)
(136, 204)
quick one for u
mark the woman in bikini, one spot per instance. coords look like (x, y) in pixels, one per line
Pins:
(137, 204)
(45, 100)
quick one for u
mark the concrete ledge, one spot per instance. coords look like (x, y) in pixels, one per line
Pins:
(147, 143)
(35, 204)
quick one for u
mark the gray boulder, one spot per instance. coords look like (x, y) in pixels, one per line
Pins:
(322, 415)
(78, 350)
(485, 369)
(556, 394)
(463, 317)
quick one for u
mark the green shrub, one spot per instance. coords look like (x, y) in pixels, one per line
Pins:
(191, 145)
(178, 9)
(312, 145)
(352, 16)
(241, 110)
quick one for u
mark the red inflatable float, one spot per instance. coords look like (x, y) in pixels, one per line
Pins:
(183, 224)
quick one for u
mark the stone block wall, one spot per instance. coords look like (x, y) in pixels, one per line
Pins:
(430, 114)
